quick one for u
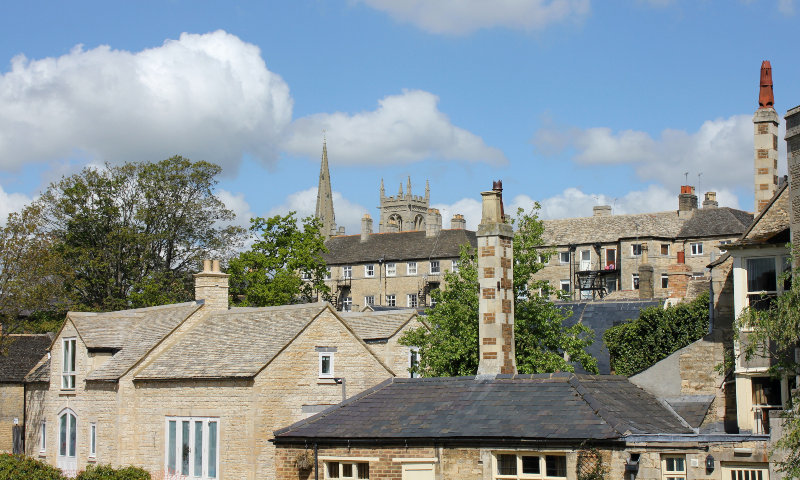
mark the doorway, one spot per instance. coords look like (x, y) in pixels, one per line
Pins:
(67, 459)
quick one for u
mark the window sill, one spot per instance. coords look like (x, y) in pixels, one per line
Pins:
(326, 381)
(67, 392)
(42, 454)
(92, 459)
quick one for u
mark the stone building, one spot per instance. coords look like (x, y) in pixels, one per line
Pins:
(404, 212)
(22, 354)
(196, 389)
(598, 255)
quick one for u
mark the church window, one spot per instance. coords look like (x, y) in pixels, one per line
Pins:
(411, 268)
(391, 269)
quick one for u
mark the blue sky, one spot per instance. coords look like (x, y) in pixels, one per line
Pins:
(570, 102)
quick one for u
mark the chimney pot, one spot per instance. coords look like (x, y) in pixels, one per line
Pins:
(211, 285)
(206, 265)
(711, 200)
(215, 266)
(458, 222)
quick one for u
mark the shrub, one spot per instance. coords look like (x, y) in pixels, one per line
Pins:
(20, 467)
(107, 472)
(657, 333)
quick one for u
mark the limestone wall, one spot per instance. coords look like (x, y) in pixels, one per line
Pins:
(12, 398)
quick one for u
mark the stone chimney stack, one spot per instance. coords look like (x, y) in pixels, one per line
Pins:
(392, 226)
(211, 285)
(366, 227)
(496, 303)
(765, 125)
(458, 222)
(793, 156)
(433, 222)
(687, 202)
(341, 231)
(711, 200)
(646, 276)
(602, 211)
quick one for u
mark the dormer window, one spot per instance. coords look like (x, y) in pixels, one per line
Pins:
(68, 364)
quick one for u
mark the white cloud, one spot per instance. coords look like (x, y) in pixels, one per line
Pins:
(304, 202)
(721, 149)
(206, 97)
(240, 207)
(10, 203)
(465, 16)
(404, 128)
(786, 7)
(469, 207)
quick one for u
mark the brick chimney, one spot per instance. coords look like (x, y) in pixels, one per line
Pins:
(211, 285)
(602, 211)
(458, 222)
(366, 227)
(496, 302)
(711, 200)
(433, 222)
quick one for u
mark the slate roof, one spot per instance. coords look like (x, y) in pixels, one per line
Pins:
(693, 408)
(558, 406)
(715, 222)
(600, 316)
(399, 246)
(237, 343)
(377, 325)
(24, 352)
(771, 225)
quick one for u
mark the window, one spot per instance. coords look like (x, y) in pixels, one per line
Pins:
(665, 249)
(326, 365)
(391, 269)
(563, 257)
(306, 276)
(611, 258)
(411, 268)
(435, 266)
(67, 440)
(635, 281)
(390, 301)
(92, 439)
(745, 471)
(721, 243)
(43, 437)
(369, 300)
(565, 285)
(762, 283)
(664, 280)
(529, 465)
(455, 266)
(68, 370)
(346, 470)
(191, 447)
(327, 273)
(636, 249)
(412, 300)
(347, 272)
(347, 304)
(697, 248)
(413, 360)
(369, 271)
(673, 467)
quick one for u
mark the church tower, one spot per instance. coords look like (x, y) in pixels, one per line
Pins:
(765, 123)
(325, 197)
(406, 210)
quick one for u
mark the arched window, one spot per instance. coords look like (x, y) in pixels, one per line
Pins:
(67, 441)
(399, 220)
(419, 222)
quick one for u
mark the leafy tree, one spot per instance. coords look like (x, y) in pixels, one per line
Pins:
(271, 272)
(31, 273)
(132, 235)
(450, 346)
(656, 334)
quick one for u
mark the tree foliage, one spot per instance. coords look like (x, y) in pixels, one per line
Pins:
(450, 346)
(131, 235)
(271, 271)
(656, 334)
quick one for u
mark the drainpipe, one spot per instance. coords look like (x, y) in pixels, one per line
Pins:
(344, 389)
(316, 462)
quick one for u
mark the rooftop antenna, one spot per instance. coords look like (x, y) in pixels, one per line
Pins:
(687, 178)
(698, 183)
(614, 207)
(596, 198)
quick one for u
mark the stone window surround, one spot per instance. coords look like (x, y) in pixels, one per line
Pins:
(542, 466)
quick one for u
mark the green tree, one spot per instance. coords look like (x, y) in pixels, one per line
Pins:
(132, 235)
(272, 271)
(543, 343)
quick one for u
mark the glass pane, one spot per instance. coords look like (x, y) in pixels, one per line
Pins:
(72, 356)
(747, 475)
(363, 470)
(93, 440)
(326, 365)
(506, 464)
(171, 444)
(741, 477)
(73, 434)
(670, 464)
(347, 470)
(530, 465)
(679, 465)
(333, 469)
(212, 449)
(185, 448)
(65, 363)
(761, 275)
(198, 449)
(62, 449)
(555, 466)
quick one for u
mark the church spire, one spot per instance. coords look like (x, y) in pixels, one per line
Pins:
(408, 186)
(400, 192)
(383, 192)
(427, 190)
(325, 196)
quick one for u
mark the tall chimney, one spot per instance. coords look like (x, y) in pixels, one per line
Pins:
(687, 202)
(765, 129)
(646, 276)
(711, 200)
(601, 211)
(433, 222)
(211, 285)
(495, 276)
(458, 222)
(366, 227)
(793, 156)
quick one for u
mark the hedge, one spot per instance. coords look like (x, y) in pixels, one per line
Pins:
(658, 332)
(20, 467)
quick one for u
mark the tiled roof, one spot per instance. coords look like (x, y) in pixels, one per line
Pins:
(237, 343)
(693, 408)
(399, 246)
(377, 325)
(24, 352)
(715, 222)
(145, 332)
(557, 406)
(771, 224)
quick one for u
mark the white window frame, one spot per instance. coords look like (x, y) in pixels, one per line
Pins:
(634, 281)
(567, 283)
(662, 247)
(633, 249)
(561, 258)
(411, 300)
(411, 268)
(454, 267)
(331, 357)
(413, 353)
(696, 248)
(347, 271)
(369, 271)
(68, 361)
(724, 242)
(205, 455)
(43, 437)
(369, 300)
(347, 304)
(93, 440)
(391, 269)
(664, 276)
(354, 463)
(305, 276)
(673, 474)
(542, 465)
(435, 268)
(758, 471)
(328, 275)
(391, 301)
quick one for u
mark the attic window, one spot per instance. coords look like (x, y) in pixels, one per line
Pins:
(68, 364)
(326, 365)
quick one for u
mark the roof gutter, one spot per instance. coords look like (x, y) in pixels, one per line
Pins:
(487, 442)
(700, 437)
